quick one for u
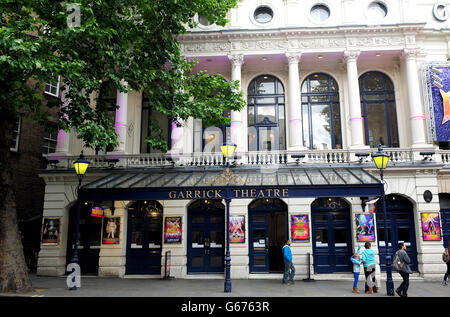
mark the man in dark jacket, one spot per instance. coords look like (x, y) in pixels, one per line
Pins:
(402, 290)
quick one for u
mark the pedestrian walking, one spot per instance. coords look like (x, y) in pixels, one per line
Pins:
(401, 265)
(446, 258)
(289, 270)
(368, 258)
(357, 261)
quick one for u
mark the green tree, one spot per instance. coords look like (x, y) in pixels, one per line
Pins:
(94, 44)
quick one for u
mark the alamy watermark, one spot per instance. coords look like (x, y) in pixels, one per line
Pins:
(74, 14)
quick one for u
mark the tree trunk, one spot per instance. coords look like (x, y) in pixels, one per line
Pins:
(13, 269)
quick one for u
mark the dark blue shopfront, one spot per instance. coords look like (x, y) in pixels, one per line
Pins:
(331, 235)
(206, 236)
(267, 217)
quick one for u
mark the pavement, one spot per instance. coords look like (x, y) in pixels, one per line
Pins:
(192, 296)
(104, 287)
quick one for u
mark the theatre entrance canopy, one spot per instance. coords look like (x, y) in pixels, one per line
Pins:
(231, 183)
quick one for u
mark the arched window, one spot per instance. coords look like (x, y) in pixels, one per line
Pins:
(266, 118)
(210, 139)
(378, 110)
(320, 113)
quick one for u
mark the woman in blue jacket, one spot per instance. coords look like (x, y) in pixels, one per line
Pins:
(368, 257)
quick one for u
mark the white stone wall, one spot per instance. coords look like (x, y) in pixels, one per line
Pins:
(408, 182)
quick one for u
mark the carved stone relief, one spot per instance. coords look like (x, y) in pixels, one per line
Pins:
(340, 43)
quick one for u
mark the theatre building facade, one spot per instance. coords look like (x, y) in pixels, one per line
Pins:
(325, 83)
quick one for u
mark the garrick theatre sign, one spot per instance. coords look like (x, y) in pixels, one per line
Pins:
(245, 183)
(236, 193)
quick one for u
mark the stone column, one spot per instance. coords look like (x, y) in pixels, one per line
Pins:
(236, 126)
(121, 122)
(356, 122)
(295, 114)
(177, 136)
(418, 136)
(62, 144)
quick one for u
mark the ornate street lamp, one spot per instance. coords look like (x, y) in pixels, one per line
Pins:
(80, 165)
(228, 151)
(381, 160)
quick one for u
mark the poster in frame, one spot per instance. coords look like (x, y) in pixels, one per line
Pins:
(237, 229)
(111, 230)
(365, 230)
(431, 226)
(172, 229)
(300, 228)
(50, 230)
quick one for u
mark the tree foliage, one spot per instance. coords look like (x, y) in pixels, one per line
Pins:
(124, 44)
(96, 45)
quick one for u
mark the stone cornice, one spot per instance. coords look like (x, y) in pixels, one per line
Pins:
(231, 34)
(300, 39)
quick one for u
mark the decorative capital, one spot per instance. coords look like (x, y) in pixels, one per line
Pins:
(293, 57)
(236, 59)
(351, 56)
(411, 53)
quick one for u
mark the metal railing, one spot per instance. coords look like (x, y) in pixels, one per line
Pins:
(255, 158)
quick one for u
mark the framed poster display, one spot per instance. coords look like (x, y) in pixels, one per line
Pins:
(111, 230)
(172, 230)
(431, 226)
(237, 229)
(437, 89)
(50, 230)
(365, 230)
(300, 228)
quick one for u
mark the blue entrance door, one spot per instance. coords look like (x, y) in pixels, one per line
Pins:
(332, 246)
(267, 235)
(144, 238)
(445, 215)
(206, 237)
(89, 239)
(400, 224)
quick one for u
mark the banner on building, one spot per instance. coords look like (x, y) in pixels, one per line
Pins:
(300, 228)
(111, 230)
(431, 226)
(437, 76)
(51, 230)
(172, 230)
(365, 230)
(237, 229)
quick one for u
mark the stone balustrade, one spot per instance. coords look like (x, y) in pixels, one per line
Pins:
(260, 158)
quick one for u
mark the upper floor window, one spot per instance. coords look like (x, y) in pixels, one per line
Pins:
(320, 13)
(321, 113)
(266, 116)
(203, 20)
(14, 146)
(52, 87)
(210, 139)
(377, 10)
(378, 110)
(50, 139)
(263, 14)
(148, 116)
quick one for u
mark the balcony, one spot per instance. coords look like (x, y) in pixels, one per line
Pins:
(401, 157)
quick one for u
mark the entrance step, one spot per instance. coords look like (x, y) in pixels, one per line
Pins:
(205, 276)
(266, 276)
(349, 276)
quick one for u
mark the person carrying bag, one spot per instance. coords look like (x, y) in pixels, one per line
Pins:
(401, 265)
